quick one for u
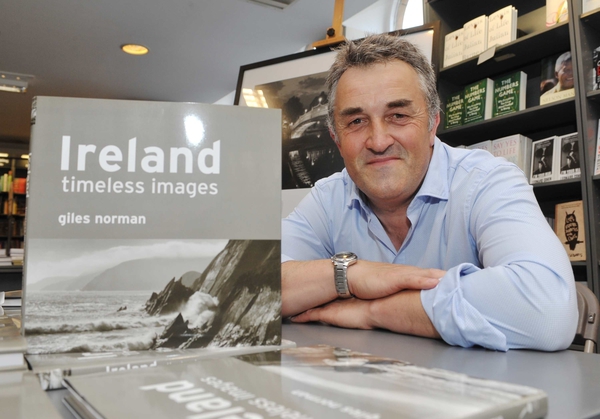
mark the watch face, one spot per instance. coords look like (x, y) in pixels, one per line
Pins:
(345, 256)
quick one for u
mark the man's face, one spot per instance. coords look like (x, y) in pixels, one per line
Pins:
(381, 121)
(565, 75)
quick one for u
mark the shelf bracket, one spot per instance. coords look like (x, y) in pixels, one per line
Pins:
(335, 33)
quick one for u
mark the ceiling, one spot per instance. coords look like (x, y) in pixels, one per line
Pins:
(71, 47)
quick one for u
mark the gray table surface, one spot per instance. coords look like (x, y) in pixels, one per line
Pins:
(571, 379)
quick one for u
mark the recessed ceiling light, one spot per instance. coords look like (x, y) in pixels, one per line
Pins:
(134, 49)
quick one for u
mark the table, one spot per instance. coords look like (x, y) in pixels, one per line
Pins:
(571, 379)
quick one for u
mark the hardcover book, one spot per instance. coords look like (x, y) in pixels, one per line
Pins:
(302, 383)
(569, 157)
(544, 167)
(509, 93)
(557, 81)
(453, 47)
(475, 37)
(479, 99)
(455, 110)
(514, 148)
(482, 145)
(570, 228)
(502, 26)
(152, 225)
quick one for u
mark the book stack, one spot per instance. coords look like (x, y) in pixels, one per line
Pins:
(514, 148)
(502, 26)
(16, 256)
(306, 382)
(544, 164)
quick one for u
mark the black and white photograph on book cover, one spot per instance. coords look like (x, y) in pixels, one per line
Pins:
(543, 152)
(308, 151)
(108, 295)
(569, 157)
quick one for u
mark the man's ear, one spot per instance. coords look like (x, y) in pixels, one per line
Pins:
(434, 130)
(334, 138)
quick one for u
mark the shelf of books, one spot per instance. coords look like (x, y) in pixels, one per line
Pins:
(511, 83)
(13, 173)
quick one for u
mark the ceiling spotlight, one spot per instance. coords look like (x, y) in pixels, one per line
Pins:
(134, 49)
(14, 82)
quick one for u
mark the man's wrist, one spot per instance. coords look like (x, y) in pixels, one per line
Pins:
(341, 262)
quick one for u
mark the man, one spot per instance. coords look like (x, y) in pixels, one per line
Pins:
(563, 73)
(450, 242)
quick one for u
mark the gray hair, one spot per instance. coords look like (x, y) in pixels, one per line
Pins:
(563, 58)
(377, 49)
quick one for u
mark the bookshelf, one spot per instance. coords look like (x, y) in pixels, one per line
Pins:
(13, 173)
(580, 35)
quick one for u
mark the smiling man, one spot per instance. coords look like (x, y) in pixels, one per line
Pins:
(415, 236)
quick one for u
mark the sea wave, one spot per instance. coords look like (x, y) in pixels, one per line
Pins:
(103, 325)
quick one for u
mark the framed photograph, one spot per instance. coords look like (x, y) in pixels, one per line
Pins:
(296, 84)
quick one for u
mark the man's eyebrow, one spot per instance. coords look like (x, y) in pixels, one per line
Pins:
(350, 111)
(400, 103)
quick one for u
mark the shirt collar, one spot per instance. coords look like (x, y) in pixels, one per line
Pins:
(435, 184)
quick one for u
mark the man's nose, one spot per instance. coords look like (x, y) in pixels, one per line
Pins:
(379, 137)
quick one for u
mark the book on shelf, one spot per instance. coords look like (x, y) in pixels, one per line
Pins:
(479, 98)
(455, 110)
(596, 68)
(306, 382)
(556, 78)
(557, 11)
(6, 181)
(12, 345)
(51, 369)
(544, 164)
(475, 36)
(589, 5)
(502, 26)
(22, 398)
(597, 159)
(569, 226)
(569, 157)
(152, 225)
(453, 47)
(12, 298)
(514, 148)
(482, 145)
(509, 93)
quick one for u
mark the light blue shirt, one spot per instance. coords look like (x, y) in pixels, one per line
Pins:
(509, 281)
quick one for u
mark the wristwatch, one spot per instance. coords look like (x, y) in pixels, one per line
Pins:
(341, 261)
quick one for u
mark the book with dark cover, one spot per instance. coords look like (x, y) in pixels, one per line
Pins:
(570, 167)
(557, 82)
(479, 98)
(305, 382)
(544, 164)
(509, 93)
(152, 225)
(455, 110)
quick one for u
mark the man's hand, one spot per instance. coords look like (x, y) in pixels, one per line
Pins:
(401, 312)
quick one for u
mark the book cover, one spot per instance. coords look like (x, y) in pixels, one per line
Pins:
(152, 225)
(589, 5)
(514, 148)
(502, 26)
(479, 97)
(557, 78)
(570, 228)
(557, 11)
(509, 93)
(453, 47)
(596, 68)
(482, 145)
(51, 369)
(597, 159)
(543, 160)
(569, 157)
(22, 398)
(455, 110)
(306, 382)
(475, 37)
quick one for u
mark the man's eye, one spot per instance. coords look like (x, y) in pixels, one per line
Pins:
(356, 121)
(397, 116)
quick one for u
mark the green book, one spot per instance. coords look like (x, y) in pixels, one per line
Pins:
(455, 110)
(478, 101)
(509, 93)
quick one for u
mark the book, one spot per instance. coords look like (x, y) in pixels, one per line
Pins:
(51, 369)
(12, 298)
(482, 145)
(557, 81)
(596, 68)
(502, 26)
(589, 5)
(453, 47)
(514, 148)
(305, 382)
(479, 97)
(455, 110)
(152, 225)
(22, 398)
(569, 226)
(543, 160)
(569, 157)
(557, 11)
(12, 345)
(475, 37)
(597, 158)
(509, 93)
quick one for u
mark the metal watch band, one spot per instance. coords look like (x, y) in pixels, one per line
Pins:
(341, 280)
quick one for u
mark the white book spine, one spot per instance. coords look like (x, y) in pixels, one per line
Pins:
(453, 47)
(475, 36)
